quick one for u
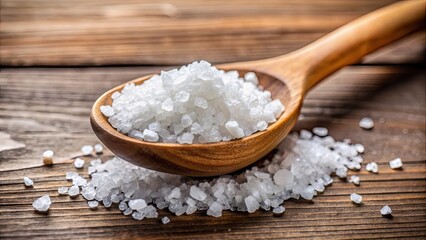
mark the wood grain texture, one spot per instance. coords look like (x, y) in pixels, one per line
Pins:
(73, 33)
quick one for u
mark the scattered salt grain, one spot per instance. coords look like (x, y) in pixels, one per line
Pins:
(63, 190)
(320, 131)
(71, 175)
(28, 182)
(87, 149)
(196, 103)
(42, 204)
(396, 163)
(305, 134)
(366, 123)
(356, 198)
(165, 220)
(98, 148)
(386, 210)
(48, 157)
(73, 191)
(355, 180)
(78, 163)
(278, 210)
(372, 167)
(93, 204)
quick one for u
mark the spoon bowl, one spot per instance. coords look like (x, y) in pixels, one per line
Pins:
(288, 78)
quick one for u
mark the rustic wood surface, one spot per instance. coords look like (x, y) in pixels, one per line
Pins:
(48, 108)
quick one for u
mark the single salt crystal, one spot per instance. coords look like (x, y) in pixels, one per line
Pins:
(28, 182)
(234, 129)
(137, 215)
(278, 210)
(341, 172)
(386, 210)
(283, 177)
(167, 105)
(122, 205)
(73, 191)
(201, 102)
(359, 148)
(356, 198)
(305, 134)
(107, 202)
(372, 167)
(251, 77)
(98, 148)
(215, 210)
(150, 136)
(95, 162)
(128, 211)
(42, 204)
(79, 181)
(186, 138)
(93, 204)
(107, 111)
(47, 157)
(88, 193)
(71, 175)
(396, 163)
(87, 149)
(251, 203)
(320, 131)
(355, 179)
(137, 204)
(63, 190)
(165, 220)
(186, 120)
(78, 163)
(197, 193)
(182, 96)
(366, 123)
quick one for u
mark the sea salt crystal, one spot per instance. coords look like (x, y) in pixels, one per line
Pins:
(366, 123)
(107, 202)
(122, 206)
(88, 193)
(78, 163)
(87, 149)
(165, 220)
(197, 193)
(215, 210)
(251, 203)
(359, 148)
(341, 172)
(150, 136)
(305, 134)
(372, 167)
(137, 204)
(98, 148)
(320, 131)
(278, 210)
(283, 177)
(386, 210)
(396, 163)
(71, 175)
(42, 204)
(73, 191)
(63, 190)
(355, 179)
(198, 99)
(48, 157)
(356, 198)
(28, 182)
(93, 204)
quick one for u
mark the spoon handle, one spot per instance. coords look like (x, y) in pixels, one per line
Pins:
(350, 43)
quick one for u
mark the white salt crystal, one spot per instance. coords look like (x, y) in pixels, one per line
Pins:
(201, 102)
(63, 190)
(137, 204)
(88, 193)
(278, 210)
(167, 105)
(87, 149)
(73, 191)
(359, 147)
(182, 96)
(366, 123)
(396, 163)
(386, 210)
(320, 131)
(128, 211)
(79, 181)
(305, 134)
(98, 148)
(356, 198)
(215, 210)
(165, 220)
(186, 120)
(372, 167)
(341, 172)
(355, 179)
(107, 111)
(186, 138)
(42, 204)
(251, 77)
(155, 126)
(122, 206)
(71, 175)
(78, 163)
(137, 215)
(107, 202)
(47, 157)
(251, 203)
(234, 129)
(28, 182)
(150, 136)
(93, 204)
(197, 193)
(283, 177)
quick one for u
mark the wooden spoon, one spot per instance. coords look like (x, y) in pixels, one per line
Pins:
(288, 77)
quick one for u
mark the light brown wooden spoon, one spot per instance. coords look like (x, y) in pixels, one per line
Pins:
(288, 77)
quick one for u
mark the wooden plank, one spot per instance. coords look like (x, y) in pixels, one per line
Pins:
(107, 32)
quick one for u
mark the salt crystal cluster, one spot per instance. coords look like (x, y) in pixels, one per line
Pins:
(42, 204)
(301, 168)
(194, 104)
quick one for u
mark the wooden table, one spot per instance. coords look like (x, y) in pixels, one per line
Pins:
(75, 50)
